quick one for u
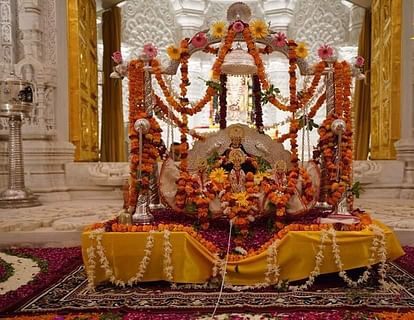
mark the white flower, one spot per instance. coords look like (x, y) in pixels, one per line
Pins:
(240, 250)
(120, 71)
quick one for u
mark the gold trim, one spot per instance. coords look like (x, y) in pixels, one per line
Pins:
(83, 76)
(385, 78)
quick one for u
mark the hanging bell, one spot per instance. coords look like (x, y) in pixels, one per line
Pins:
(239, 63)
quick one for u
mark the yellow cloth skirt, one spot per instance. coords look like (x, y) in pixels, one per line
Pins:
(193, 263)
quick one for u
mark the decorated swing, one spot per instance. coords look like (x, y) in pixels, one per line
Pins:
(238, 205)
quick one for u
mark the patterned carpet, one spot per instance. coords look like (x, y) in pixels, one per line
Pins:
(69, 294)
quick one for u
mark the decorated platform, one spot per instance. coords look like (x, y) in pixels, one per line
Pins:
(237, 208)
(179, 254)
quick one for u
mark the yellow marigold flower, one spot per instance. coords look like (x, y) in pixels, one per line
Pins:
(258, 29)
(301, 50)
(173, 52)
(241, 199)
(259, 176)
(218, 175)
(218, 29)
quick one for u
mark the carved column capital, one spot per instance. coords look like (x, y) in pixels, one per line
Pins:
(279, 13)
(30, 24)
(356, 19)
(189, 15)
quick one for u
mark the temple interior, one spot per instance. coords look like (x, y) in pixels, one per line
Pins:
(212, 135)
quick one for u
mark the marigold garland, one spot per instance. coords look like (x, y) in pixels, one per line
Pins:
(292, 77)
(151, 140)
(365, 221)
(189, 191)
(165, 110)
(180, 106)
(184, 68)
(211, 50)
(308, 94)
(327, 141)
(314, 109)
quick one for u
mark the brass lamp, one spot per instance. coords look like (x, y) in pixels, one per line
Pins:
(16, 103)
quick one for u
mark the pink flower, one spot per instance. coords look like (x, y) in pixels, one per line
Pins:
(199, 40)
(325, 52)
(238, 26)
(359, 61)
(150, 50)
(117, 57)
(279, 40)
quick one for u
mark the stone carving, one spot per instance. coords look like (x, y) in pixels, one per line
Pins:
(49, 31)
(314, 22)
(217, 10)
(5, 32)
(366, 171)
(148, 21)
(109, 174)
(35, 49)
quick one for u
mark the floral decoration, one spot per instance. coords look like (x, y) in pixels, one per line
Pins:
(53, 262)
(301, 50)
(150, 50)
(242, 207)
(218, 29)
(218, 176)
(199, 40)
(140, 176)
(259, 29)
(238, 26)
(279, 40)
(359, 61)
(184, 70)
(173, 52)
(325, 52)
(117, 57)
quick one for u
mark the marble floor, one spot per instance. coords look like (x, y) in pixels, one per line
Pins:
(57, 224)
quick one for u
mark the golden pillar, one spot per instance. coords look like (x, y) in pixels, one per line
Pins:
(83, 79)
(385, 77)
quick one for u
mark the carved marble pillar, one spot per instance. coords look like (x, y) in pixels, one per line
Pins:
(189, 16)
(405, 146)
(36, 53)
(6, 36)
(355, 24)
(30, 27)
(279, 13)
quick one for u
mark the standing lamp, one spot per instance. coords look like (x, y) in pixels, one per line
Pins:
(16, 102)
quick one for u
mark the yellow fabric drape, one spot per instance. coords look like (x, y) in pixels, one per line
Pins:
(112, 136)
(362, 103)
(193, 263)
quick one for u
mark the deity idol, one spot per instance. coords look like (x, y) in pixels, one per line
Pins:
(237, 176)
(280, 173)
